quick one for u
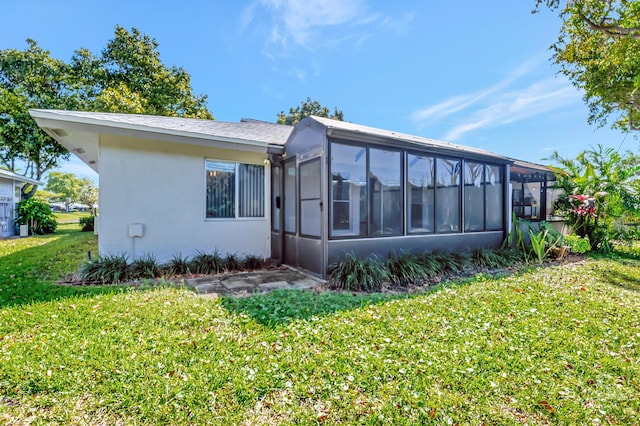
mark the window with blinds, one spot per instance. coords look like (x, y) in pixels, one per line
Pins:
(234, 190)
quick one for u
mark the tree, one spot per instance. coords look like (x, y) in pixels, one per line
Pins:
(307, 108)
(599, 50)
(71, 189)
(599, 192)
(128, 76)
(29, 79)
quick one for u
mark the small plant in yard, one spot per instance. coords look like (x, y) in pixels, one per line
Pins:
(578, 244)
(87, 223)
(145, 267)
(405, 269)
(488, 258)
(232, 262)
(178, 265)
(207, 263)
(252, 262)
(37, 215)
(352, 273)
(430, 263)
(108, 269)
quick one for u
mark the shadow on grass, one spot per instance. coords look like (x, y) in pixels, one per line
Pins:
(29, 274)
(281, 307)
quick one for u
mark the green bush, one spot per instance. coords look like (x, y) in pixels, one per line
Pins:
(352, 273)
(37, 215)
(86, 223)
(578, 244)
(109, 269)
(145, 267)
(232, 262)
(178, 265)
(207, 263)
(252, 262)
(405, 269)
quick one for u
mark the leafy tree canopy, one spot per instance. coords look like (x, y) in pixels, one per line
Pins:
(599, 50)
(307, 108)
(128, 76)
(71, 189)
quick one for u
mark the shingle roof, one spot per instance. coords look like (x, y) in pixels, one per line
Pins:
(403, 137)
(249, 130)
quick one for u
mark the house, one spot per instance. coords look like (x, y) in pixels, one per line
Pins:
(10, 185)
(302, 195)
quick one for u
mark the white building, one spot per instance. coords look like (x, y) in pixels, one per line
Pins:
(10, 184)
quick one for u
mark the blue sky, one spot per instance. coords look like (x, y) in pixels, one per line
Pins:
(470, 72)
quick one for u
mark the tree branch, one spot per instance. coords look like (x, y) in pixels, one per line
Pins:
(613, 30)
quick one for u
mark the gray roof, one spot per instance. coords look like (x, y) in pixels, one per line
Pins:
(13, 176)
(355, 129)
(249, 130)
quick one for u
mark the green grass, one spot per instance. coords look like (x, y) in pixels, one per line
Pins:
(29, 267)
(548, 346)
(71, 217)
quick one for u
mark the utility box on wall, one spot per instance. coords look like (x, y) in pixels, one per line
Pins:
(135, 230)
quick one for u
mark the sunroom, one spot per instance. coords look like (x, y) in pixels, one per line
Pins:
(341, 187)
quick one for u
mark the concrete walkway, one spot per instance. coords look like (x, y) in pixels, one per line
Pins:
(248, 283)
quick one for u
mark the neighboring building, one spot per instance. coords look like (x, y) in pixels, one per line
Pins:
(10, 185)
(302, 195)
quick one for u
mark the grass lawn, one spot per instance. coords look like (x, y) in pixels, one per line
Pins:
(555, 345)
(70, 217)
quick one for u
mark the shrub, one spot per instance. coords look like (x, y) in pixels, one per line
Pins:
(109, 269)
(178, 265)
(37, 215)
(232, 262)
(207, 263)
(252, 262)
(86, 223)
(145, 267)
(405, 269)
(489, 259)
(578, 244)
(352, 273)
(430, 264)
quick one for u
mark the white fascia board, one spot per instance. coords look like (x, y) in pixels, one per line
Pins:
(19, 178)
(53, 120)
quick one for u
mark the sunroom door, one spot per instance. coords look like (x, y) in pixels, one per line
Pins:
(310, 253)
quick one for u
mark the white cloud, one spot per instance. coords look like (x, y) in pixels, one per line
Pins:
(301, 22)
(519, 104)
(503, 103)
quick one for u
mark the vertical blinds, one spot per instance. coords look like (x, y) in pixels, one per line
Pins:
(234, 188)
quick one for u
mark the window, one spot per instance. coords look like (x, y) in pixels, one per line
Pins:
(447, 195)
(473, 196)
(234, 190)
(348, 190)
(310, 200)
(494, 193)
(276, 198)
(290, 214)
(385, 176)
(420, 193)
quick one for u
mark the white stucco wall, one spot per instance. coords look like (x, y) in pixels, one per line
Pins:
(7, 205)
(161, 185)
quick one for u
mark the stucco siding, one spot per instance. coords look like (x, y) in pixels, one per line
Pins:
(162, 186)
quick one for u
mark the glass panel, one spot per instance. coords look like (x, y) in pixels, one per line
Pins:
(290, 197)
(420, 191)
(251, 190)
(276, 198)
(310, 214)
(310, 179)
(348, 190)
(494, 187)
(447, 195)
(385, 175)
(220, 189)
(473, 196)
